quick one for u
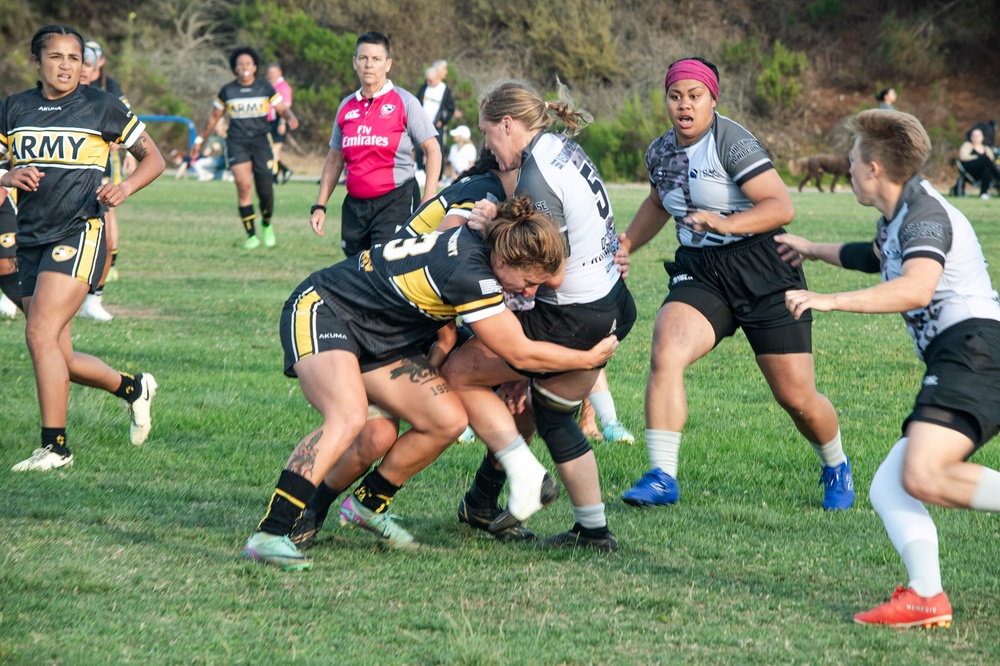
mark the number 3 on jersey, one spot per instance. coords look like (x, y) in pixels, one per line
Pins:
(409, 247)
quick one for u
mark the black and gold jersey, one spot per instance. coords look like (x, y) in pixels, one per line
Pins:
(67, 140)
(399, 294)
(247, 107)
(456, 199)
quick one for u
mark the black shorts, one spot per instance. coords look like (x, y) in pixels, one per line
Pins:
(275, 137)
(580, 325)
(81, 255)
(8, 230)
(961, 386)
(256, 150)
(309, 326)
(369, 222)
(743, 285)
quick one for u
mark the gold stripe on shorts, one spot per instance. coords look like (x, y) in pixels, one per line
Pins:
(304, 324)
(86, 260)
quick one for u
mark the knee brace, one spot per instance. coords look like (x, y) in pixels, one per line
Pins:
(555, 419)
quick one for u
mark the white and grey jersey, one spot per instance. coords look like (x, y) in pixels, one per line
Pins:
(707, 175)
(564, 184)
(925, 225)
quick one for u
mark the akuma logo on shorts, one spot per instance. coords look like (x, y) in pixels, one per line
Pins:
(680, 277)
(63, 252)
(332, 336)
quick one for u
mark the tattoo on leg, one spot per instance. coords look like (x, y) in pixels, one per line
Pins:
(303, 458)
(416, 368)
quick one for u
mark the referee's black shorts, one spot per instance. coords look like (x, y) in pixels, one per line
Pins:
(743, 285)
(369, 222)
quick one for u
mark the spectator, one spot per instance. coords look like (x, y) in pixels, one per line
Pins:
(979, 161)
(462, 154)
(886, 98)
(435, 96)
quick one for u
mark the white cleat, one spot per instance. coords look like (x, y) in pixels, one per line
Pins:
(139, 411)
(42, 460)
(7, 307)
(92, 308)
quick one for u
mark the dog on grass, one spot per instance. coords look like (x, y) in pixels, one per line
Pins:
(814, 168)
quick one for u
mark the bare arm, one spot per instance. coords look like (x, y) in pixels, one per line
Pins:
(285, 112)
(213, 120)
(149, 165)
(772, 208)
(502, 334)
(648, 221)
(914, 288)
(796, 249)
(432, 167)
(333, 167)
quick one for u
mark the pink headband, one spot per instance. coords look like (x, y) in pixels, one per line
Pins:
(692, 69)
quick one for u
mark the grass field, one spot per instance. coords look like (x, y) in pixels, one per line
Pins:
(132, 556)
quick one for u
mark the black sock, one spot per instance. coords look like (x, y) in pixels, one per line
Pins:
(322, 500)
(56, 439)
(375, 492)
(287, 502)
(247, 216)
(486, 487)
(130, 389)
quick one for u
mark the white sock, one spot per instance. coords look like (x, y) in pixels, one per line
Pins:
(604, 406)
(831, 453)
(664, 447)
(590, 517)
(907, 523)
(525, 474)
(987, 495)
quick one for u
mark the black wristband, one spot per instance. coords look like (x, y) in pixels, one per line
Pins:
(316, 208)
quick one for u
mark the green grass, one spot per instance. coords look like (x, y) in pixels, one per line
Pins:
(132, 555)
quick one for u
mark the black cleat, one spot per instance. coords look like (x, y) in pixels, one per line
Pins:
(575, 537)
(305, 530)
(481, 519)
(507, 520)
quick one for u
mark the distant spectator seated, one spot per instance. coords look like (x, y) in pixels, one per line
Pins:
(462, 153)
(212, 163)
(181, 161)
(979, 162)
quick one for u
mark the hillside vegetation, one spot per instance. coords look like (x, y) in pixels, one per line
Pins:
(791, 70)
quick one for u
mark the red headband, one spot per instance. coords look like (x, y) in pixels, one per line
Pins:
(693, 69)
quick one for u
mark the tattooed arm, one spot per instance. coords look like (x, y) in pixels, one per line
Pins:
(150, 165)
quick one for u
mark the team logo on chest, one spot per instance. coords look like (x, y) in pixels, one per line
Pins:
(63, 252)
(387, 109)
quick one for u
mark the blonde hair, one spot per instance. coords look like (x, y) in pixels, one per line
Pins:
(896, 140)
(524, 238)
(522, 102)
